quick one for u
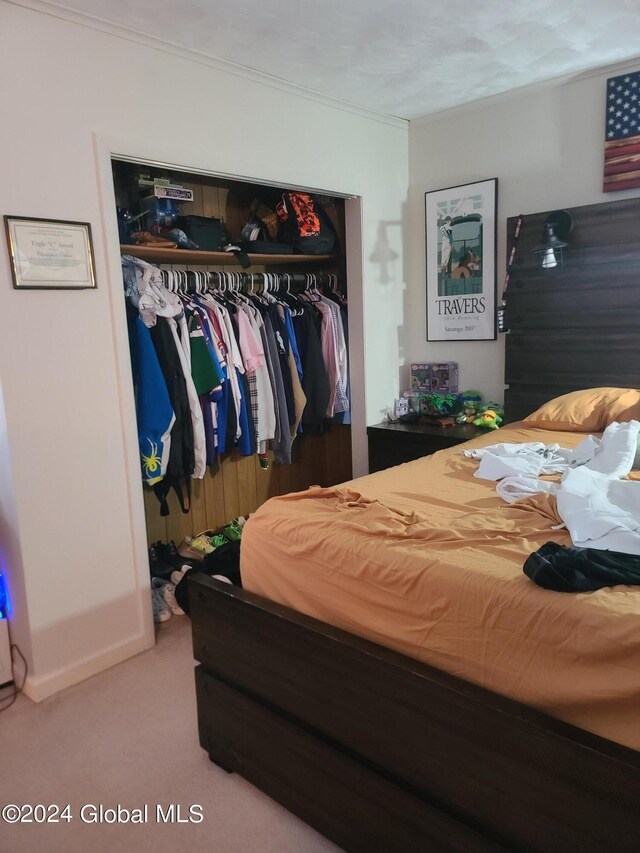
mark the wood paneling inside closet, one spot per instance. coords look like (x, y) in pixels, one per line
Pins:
(238, 485)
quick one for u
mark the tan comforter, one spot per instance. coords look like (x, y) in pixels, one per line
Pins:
(426, 559)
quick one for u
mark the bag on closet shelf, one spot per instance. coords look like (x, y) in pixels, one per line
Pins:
(265, 247)
(258, 235)
(245, 247)
(255, 239)
(305, 224)
(207, 232)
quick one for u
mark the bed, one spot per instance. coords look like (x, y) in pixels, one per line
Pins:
(487, 714)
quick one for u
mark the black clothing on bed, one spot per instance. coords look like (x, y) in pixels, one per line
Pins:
(568, 569)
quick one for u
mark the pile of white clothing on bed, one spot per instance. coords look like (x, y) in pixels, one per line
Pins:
(599, 508)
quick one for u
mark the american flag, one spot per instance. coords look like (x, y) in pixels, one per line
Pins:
(622, 133)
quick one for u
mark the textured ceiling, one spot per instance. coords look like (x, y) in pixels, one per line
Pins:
(404, 58)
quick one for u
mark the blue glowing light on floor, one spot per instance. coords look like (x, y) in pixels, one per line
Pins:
(5, 607)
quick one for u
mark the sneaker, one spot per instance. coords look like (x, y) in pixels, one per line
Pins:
(179, 574)
(194, 548)
(202, 543)
(214, 537)
(159, 567)
(172, 552)
(161, 610)
(154, 557)
(169, 593)
(233, 531)
(168, 554)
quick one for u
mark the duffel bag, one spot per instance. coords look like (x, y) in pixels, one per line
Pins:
(207, 232)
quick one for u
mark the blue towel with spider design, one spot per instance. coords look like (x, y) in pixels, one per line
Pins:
(154, 412)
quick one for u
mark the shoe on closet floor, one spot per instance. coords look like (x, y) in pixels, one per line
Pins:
(161, 610)
(159, 566)
(167, 591)
(233, 531)
(195, 548)
(168, 553)
(155, 564)
(179, 574)
(169, 559)
(215, 538)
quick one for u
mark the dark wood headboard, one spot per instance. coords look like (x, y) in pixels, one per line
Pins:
(576, 327)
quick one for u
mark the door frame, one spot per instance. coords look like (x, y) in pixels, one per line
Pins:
(106, 149)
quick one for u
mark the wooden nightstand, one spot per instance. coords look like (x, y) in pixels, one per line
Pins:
(391, 444)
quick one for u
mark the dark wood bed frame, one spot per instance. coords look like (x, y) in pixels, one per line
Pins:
(382, 753)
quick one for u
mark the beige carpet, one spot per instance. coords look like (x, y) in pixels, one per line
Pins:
(129, 736)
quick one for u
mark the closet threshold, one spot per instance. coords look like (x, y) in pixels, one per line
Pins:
(195, 256)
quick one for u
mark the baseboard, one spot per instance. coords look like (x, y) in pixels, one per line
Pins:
(39, 688)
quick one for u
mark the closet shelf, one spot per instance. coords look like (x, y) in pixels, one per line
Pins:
(195, 256)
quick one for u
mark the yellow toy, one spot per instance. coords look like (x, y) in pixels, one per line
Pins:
(489, 419)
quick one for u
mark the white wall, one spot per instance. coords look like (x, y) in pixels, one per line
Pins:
(546, 149)
(71, 95)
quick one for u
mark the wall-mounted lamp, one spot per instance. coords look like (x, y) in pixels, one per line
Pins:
(557, 227)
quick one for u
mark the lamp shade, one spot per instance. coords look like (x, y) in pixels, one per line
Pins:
(556, 228)
(550, 240)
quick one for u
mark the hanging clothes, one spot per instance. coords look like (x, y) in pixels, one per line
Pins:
(341, 400)
(281, 445)
(181, 463)
(154, 413)
(229, 368)
(260, 395)
(315, 379)
(299, 397)
(197, 421)
(271, 390)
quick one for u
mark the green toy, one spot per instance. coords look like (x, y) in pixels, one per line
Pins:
(468, 414)
(437, 405)
(496, 407)
(489, 419)
(471, 402)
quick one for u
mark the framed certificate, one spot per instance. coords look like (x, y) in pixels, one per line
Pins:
(49, 254)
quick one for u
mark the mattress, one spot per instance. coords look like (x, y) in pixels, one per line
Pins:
(426, 559)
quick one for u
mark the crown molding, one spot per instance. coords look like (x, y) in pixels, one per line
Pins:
(91, 22)
(511, 94)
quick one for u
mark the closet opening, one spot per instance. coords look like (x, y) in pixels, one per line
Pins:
(246, 318)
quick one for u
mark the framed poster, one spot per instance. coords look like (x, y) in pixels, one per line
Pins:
(461, 262)
(50, 254)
